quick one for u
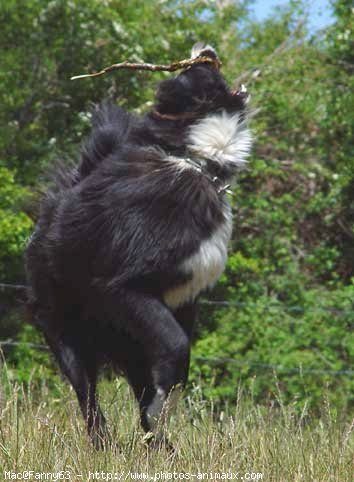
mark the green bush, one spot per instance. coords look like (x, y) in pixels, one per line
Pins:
(15, 225)
(268, 345)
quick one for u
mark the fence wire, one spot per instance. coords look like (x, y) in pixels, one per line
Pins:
(9, 286)
(221, 360)
(240, 304)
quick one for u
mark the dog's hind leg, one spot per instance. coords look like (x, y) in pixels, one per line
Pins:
(81, 371)
(161, 368)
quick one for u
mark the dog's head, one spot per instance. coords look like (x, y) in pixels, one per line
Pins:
(214, 126)
(198, 90)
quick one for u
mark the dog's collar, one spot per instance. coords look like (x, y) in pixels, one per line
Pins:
(200, 164)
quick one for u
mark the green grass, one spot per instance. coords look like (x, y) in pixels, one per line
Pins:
(45, 433)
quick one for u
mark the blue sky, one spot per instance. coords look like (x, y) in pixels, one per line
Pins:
(319, 11)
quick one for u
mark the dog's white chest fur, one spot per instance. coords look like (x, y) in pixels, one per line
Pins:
(226, 139)
(205, 266)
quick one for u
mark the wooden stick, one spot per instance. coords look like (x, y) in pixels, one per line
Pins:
(182, 64)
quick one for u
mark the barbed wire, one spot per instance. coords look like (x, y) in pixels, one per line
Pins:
(274, 304)
(221, 360)
(4, 286)
(240, 304)
(11, 342)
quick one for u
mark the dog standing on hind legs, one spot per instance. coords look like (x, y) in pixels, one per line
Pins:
(127, 240)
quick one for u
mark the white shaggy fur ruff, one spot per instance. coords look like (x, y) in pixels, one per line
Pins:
(222, 137)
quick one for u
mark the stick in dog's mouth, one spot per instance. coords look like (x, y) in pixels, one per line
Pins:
(179, 65)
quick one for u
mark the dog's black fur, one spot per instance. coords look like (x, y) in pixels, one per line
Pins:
(112, 235)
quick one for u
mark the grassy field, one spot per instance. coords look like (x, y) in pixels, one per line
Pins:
(45, 434)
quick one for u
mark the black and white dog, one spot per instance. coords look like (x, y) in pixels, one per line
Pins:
(128, 239)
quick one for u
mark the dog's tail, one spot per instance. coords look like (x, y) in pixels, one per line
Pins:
(111, 125)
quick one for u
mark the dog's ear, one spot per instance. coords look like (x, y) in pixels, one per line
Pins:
(200, 49)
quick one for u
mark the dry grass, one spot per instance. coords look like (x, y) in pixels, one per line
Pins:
(47, 435)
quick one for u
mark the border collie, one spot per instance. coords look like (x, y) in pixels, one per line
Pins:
(128, 239)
